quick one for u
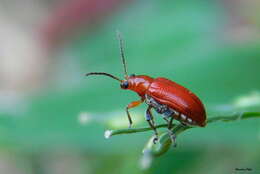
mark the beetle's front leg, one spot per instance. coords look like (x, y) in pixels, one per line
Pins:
(132, 105)
(149, 119)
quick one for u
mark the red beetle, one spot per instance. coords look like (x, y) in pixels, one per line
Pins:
(168, 98)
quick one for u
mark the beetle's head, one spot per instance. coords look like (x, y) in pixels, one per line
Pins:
(127, 82)
(137, 83)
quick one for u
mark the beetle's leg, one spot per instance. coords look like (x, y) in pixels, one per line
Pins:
(166, 120)
(149, 119)
(184, 124)
(129, 106)
(171, 134)
(170, 123)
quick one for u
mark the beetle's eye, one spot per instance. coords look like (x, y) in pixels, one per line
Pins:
(124, 85)
(132, 75)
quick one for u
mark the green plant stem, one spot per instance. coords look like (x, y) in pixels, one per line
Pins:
(234, 117)
(164, 144)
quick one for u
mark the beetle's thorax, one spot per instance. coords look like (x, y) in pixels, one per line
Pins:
(139, 84)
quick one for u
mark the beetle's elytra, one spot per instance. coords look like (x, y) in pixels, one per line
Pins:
(166, 97)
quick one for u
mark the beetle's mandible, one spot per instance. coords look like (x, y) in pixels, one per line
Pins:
(166, 97)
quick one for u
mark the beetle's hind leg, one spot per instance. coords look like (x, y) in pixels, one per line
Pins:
(171, 134)
(150, 120)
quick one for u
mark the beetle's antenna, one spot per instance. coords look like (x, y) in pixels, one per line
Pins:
(105, 74)
(119, 37)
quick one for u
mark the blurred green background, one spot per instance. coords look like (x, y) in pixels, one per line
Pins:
(56, 124)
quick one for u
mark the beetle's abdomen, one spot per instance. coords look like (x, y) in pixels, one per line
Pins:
(166, 111)
(178, 98)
